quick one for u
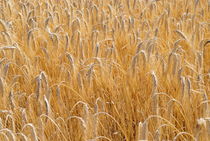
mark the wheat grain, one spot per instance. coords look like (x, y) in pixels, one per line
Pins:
(24, 115)
(142, 131)
(24, 137)
(33, 131)
(38, 88)
(175, 63)
(1, 124)
(6, 137)
(181, 34)
(47, 104)
(155, 81)
(189, 86)
(12, 122)
(11, 100)
(79, 118)
(10, 133)
(183, 133)
(1, 86)
(3, 25)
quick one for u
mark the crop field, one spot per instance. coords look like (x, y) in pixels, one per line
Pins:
(104, 70)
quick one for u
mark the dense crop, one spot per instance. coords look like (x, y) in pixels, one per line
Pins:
(118, 70)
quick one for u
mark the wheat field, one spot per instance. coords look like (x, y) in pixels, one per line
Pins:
(104, 70)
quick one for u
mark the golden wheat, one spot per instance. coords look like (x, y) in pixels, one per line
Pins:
(104, 70)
